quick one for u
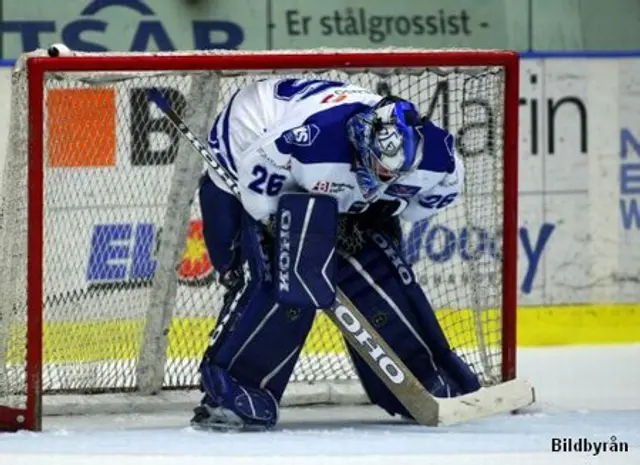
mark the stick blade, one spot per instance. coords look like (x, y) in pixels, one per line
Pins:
(489, 401)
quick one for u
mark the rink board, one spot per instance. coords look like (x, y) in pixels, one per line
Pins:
(578, 325)
(537, 326)
(188, 337)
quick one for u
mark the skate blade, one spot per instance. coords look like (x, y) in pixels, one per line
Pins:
(226, 427)
(222, 420)
(216, 427)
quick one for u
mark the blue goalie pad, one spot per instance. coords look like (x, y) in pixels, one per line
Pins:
(306, 229)
(256, 342)
(383, 287)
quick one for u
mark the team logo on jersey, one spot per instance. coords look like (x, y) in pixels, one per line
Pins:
(340, 95)
(402, 191)
(302, 136)
(331, 187)
(335, 98)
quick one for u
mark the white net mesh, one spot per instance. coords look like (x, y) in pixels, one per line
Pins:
(121, 215)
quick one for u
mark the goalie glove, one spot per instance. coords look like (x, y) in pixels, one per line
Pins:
(383, 216)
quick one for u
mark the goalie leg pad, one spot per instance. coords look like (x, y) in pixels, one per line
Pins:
(256, 341)
(306, 228)
(383, 287)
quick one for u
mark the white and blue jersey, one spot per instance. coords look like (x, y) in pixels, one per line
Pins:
(287, 135)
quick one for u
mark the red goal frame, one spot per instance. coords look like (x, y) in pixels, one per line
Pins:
(30, 417)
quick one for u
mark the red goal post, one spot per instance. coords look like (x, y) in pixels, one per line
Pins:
(49, 195)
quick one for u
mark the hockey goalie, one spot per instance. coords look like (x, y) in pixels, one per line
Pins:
(326, 171)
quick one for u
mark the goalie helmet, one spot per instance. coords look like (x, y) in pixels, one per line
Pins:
(388, 142)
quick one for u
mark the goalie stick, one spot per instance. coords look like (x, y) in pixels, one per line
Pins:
(362, 336)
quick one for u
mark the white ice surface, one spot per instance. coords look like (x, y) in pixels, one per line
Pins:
(591, 392)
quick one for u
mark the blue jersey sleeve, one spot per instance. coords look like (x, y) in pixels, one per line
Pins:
(322, 138)
(441, 173)
(438, 148)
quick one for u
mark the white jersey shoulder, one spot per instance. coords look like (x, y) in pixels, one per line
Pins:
(276, 105)
(280, 135)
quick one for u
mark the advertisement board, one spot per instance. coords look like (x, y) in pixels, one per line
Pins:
(138, 25)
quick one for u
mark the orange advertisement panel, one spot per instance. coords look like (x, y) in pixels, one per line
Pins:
(81, 127)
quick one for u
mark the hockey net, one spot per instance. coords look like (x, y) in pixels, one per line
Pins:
(107, 292)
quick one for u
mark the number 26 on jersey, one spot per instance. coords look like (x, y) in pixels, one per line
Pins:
(437, 201)
(266, 183)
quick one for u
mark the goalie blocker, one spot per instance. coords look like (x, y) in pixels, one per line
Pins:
(266, 317)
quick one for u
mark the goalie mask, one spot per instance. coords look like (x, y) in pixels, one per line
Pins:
(388, 142)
